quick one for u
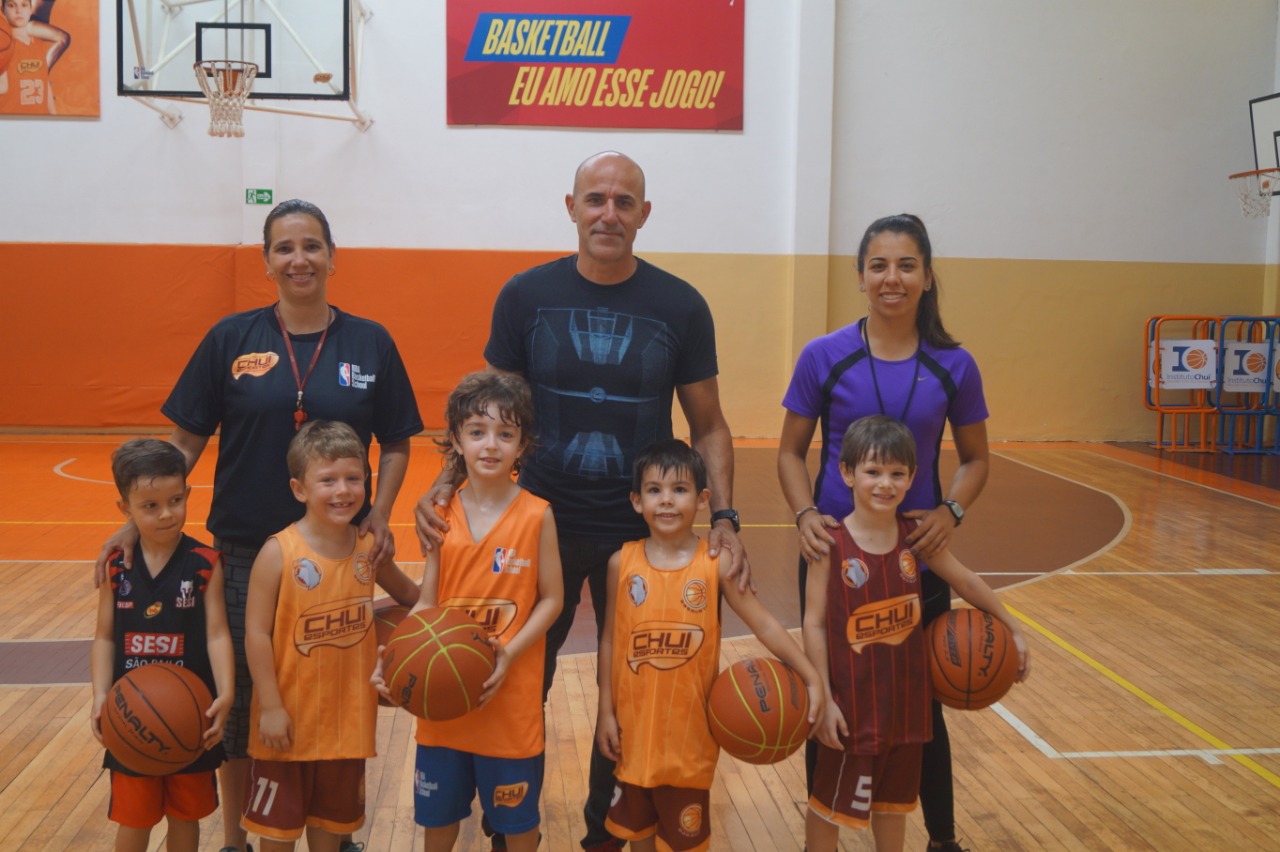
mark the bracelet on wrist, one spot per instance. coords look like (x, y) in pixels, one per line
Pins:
(803, 512)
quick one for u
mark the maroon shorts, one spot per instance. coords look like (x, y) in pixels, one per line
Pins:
(679, 816)
(282, 798)
(141, 802)
(848, 787)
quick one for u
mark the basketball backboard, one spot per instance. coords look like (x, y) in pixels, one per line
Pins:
(302, 47)
(1264, 115)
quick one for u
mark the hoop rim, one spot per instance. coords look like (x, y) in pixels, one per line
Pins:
(215, 64)
(1259, 172)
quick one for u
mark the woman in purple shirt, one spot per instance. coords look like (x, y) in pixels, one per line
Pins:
(900, 361)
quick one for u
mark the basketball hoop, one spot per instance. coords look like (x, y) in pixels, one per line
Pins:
(1255, 190)
(226, 83)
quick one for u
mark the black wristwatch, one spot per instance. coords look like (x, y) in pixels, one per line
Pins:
(730, 514)
(957, 511)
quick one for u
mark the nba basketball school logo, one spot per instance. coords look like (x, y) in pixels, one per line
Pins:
(349, 376)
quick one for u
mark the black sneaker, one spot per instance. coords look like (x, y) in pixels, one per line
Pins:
(945, 846)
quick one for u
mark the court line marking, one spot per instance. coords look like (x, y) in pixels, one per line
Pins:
(43, 641)
(59, 470)
(1124, 510)
(1219, 746)
(1208, 755)
(1185, 480)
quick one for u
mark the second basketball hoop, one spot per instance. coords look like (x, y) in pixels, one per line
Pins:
(1255, 190)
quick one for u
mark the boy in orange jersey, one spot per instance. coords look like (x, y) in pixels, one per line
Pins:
(500, 562)
(653, 706)
(875, 668)
(311, 648)
(167, 608)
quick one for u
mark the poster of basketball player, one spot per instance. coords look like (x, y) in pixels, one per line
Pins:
(49, 57)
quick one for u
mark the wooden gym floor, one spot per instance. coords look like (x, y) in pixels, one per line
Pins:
(1149, 586)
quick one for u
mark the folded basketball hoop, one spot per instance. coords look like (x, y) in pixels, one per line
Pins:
(1255, 190)
(226, 83)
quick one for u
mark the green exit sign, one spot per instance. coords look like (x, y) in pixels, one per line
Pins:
(257, 196)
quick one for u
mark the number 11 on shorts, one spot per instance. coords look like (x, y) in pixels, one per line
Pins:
(268, 788)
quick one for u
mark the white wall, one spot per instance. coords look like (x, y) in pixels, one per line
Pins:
(1085, 130)
(1094, 129)
(410, 181)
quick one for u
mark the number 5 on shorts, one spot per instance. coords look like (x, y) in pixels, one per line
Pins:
(862, 794)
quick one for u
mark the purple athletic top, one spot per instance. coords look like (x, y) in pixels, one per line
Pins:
(832, 384)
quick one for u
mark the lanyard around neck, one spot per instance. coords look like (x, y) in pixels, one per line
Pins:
(300, 416)
(875, 381)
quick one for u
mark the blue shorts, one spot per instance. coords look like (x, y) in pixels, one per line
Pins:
(446, 780)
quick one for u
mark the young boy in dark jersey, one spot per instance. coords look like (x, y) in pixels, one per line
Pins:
(862, 630)
(311, 647)
(499, 562)
(660, 652)
(167, 608)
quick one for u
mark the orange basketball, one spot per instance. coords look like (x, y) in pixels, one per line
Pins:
(1195, 359)
(153, 720)
(972, 659)
(759, 710)
(387, 615)
(436, 662)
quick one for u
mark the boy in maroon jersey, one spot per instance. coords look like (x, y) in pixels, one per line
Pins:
(862, 630)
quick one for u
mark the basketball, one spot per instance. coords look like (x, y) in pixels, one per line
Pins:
(759, 710)
(387, 615)
(436, 662)
(972, 659)
(153, 720)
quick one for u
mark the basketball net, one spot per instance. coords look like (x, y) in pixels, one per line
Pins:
(1254, 190)
(226, 83)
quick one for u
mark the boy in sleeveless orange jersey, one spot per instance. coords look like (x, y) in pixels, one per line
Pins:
(167, 608)
(653, 690)
(877, 681)
(311, 648)
(500, 561)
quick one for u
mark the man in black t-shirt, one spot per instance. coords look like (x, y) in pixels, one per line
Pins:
(607, 342)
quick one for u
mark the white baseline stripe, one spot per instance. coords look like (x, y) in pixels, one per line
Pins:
(1208, 755)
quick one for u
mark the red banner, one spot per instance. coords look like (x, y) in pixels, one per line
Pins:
(48, 57)
(596, 63)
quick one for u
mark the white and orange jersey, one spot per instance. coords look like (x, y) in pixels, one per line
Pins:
(666, 654)
(495, 581)
(325, 650)
(29, 92)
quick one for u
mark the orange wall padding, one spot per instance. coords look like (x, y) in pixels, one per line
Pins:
(95, 335)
